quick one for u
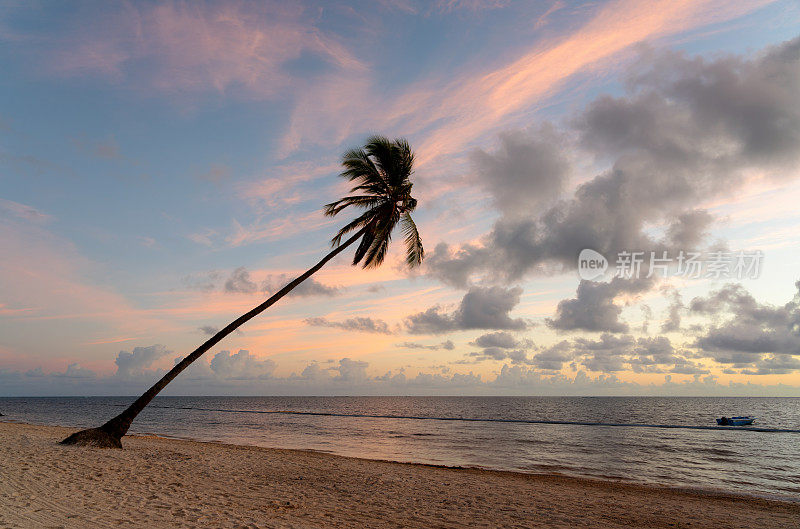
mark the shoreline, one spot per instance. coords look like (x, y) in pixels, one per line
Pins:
(552, 474)
(558, 475)
(164, 482)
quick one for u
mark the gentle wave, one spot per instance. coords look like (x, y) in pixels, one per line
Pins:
(500, 420)
(621, 438)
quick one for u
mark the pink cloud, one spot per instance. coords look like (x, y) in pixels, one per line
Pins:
(276, 228)
(49, 302)
(276, 187)
(24, 212)
(194, 46)
(444, 115)
(328, 111)
(477, 103)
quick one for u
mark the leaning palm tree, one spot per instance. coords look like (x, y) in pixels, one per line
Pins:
(381, 171)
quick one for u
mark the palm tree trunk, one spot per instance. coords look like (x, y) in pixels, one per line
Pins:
(110, 434)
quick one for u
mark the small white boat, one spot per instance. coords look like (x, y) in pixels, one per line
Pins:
(736, 421)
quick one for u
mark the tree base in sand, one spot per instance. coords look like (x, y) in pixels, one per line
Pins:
(95, 437)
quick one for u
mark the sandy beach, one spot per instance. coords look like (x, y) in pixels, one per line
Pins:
(156, 482)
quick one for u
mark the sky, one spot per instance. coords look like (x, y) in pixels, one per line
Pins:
(163, 167)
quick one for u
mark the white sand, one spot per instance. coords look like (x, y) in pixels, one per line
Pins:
(158, 482)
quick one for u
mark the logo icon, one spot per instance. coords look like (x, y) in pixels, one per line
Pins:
(591, 264)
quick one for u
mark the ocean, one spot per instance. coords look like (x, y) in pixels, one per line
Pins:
(670, 441)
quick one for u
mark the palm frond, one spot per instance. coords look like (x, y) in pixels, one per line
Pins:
(377, 250)
(394, 159)
(380, 173)
(371, 187)
(359, 166)
(363, 201)
(383, 236)
(415, 253)
(381, 149)
(363, 220)
(366, 241)
(405, 162)
(358, 163)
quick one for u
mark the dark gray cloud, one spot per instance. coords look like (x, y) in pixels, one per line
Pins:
(673, 320)
(241, 366)
(612, 353)
(358, 324)
(240, 282)
(237, 374)
(455, 266)
(609, 354)
(654, 355)
(686, 131)
(211, 330)
(606, 343)
(206, 282)
(647, 315)
(502, 339)
(658, 348)
(501, 345)
(516, 356)
(593, 308)
(735, 299)
(447, 345)
(223, 366)
(136, 362)
(309, 287)
(553, 358)
(528, 170)
(745, 334)
(780, 364)
(687, 230)
(688, 368)
(480, 308)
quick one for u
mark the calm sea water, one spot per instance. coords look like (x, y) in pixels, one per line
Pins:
(488, 432)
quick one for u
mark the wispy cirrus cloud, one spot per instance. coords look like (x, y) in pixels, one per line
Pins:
(276, 228)
(446, 114)
(190, 46)
(277, 187)
(247, 49)
(23, 211)
(45, 282)
(477, 102)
